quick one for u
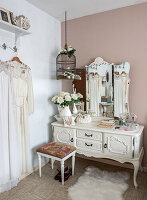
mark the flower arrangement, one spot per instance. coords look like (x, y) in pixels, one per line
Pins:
(66, 99)
(69, 51)
(73, 76)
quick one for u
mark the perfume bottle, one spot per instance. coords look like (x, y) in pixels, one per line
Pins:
(134, 118)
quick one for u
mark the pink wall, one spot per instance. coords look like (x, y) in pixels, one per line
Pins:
(117, 35)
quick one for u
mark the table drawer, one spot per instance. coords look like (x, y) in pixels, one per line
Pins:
(89, 144)
(91, 135)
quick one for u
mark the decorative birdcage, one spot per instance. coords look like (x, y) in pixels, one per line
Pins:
(65, 64)
(66, 61)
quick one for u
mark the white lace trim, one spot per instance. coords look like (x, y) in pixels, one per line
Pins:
(5, 67)
(120, 76)
(15, 70)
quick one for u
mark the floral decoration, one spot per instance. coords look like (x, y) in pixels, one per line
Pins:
(69, 51)
(73, 76)
(66, 99)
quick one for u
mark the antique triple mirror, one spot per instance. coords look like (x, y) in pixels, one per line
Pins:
(107, 88)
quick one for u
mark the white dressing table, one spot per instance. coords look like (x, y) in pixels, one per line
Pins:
(91, 141)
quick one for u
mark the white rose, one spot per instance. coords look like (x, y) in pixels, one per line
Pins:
(74, 96)
(62, 94)
(63, 50)
(60, 100)
(54, 98)
(70, 48)
(79, 95)
(68, 98)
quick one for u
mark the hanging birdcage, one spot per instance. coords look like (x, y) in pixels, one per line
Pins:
(66, 61)
(65, 64)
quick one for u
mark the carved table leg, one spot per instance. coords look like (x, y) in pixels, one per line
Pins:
(136, 168)
(140, 161)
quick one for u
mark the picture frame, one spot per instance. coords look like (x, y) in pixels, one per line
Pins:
(5, 15)
(12, 18)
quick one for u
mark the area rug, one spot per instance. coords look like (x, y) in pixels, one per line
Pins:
(96, 184)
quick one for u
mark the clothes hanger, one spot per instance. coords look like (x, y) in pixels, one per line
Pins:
(123, 72)
(117, 73)
(16, 59)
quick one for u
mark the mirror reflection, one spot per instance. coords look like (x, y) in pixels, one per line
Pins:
(107, 88)
(99, 89)
(121, 88)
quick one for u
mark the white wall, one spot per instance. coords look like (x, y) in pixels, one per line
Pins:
(38, 51)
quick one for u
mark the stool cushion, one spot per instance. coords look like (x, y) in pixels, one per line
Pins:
(56, 149)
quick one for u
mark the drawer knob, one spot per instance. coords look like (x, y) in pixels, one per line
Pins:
(88, 145)
(71, 140)
(105, 146)
(88, 135)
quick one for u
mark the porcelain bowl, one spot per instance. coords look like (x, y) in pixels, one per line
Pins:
(58, 118)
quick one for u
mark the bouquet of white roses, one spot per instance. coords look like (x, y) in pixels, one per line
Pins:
(66, 99)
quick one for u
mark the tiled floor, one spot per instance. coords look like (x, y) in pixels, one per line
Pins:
(46, 188)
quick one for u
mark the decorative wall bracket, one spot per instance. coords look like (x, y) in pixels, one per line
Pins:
(14, 30)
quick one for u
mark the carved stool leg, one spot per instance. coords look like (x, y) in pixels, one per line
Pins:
(39, 159)
(62, 172)
(136, 168)
(52, 162)
(73, 164)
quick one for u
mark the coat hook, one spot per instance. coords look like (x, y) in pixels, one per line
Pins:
(13, 49)
(4, 46)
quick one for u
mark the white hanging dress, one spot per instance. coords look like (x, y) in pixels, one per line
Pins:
(95, 87)
(117, 95)
(9, 152)
(24, 106)
(121, 91)
(125, 92)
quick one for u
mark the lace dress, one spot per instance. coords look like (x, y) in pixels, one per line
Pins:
(24, 106)
(10, 158)
(121, 91)
(95, 87)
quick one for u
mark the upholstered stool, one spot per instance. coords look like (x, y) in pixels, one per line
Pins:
(57, 151)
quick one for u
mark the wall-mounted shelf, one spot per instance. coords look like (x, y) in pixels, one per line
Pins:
(13, 29)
